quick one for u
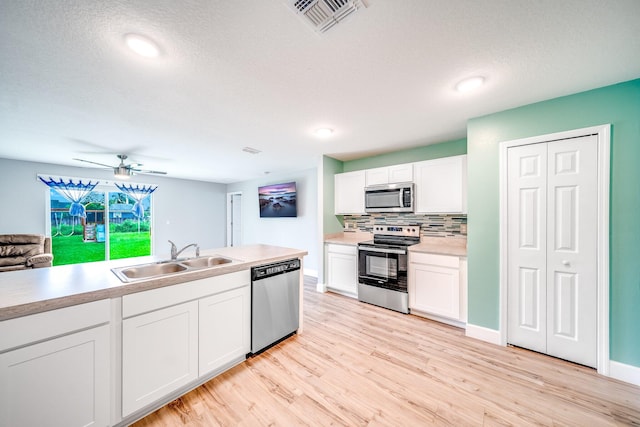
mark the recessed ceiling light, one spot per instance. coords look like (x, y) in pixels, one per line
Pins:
(142, 45)
(323, 132)
(469, 84)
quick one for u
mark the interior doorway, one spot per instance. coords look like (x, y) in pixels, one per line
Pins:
(234, 219)
(554, 245)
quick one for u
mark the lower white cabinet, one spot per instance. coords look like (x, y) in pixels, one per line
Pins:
(437, 286)
(342, 268)
(225, 329)
(173, 335)
(62, 381)
(159, 354)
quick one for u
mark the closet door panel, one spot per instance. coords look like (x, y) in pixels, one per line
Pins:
(527, 207)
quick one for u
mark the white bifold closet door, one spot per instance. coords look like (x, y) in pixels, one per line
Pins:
(552, 248)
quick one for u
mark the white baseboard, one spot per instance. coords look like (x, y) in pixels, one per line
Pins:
(619, 371)
(310, 272)
(624, 372)
(445, 320)
(321, 287)
(483, 334)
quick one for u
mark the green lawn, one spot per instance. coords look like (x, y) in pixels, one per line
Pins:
(72, 250)
(126, 245)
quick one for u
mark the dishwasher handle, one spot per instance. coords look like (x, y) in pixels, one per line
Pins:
(270, 270)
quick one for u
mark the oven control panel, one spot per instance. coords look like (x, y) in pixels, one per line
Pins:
(412, 230)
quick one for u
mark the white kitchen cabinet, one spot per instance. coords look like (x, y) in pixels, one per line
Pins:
(159, 354)
(441, 185)
(349, 193)
(342, 268)
(437, 286)
(61, 381)
(389, 174)
(173, 335)
(225, 329)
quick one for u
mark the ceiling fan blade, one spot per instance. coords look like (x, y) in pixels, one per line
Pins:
(95, 163)
(153, 172)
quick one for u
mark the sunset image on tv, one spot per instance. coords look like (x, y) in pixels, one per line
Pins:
(278, 200)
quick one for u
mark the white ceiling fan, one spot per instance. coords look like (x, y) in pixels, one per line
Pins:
(124, 170)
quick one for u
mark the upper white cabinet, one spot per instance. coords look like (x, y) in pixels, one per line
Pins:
(441, 185)
(390, 174)
(349, 193)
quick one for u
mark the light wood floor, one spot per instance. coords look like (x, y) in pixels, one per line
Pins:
(360, 365)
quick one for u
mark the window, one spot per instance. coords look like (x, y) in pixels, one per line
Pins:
(116, 224)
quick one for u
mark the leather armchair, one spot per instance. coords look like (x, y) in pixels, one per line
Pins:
(22, 251)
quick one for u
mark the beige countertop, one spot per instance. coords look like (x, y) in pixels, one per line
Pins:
(442, 246)
(455, 246)
(348, 238)
(33, 291)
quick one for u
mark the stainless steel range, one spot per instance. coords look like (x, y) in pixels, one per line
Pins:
(382, 266)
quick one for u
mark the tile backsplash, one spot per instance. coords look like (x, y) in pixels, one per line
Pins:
(430, 225)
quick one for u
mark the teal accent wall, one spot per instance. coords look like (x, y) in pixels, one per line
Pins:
(428, 152)
(618, 105)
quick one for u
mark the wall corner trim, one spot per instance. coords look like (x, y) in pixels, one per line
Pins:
(311, 272)
(483, 334)
(624, 372)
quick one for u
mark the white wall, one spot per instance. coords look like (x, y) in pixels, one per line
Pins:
(300, 232)
(184, 211)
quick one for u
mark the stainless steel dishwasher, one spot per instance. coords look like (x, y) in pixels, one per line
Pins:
(275, 302)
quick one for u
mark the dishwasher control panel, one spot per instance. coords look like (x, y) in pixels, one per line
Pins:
(267, 270)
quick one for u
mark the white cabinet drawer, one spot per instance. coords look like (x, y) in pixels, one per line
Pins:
(36, 327)
(143, 302)
(435, 259)
(342, 249)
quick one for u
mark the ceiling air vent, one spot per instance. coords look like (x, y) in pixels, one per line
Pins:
(324, 14)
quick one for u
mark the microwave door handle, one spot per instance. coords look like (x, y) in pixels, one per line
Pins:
(401, 198)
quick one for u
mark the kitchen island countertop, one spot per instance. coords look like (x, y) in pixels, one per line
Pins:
(26, 292)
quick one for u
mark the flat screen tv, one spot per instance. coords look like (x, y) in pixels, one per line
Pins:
(278, 200)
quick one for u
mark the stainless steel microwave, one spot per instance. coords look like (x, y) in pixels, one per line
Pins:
(389, 197)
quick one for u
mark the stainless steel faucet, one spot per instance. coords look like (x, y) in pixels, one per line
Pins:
(175, 252)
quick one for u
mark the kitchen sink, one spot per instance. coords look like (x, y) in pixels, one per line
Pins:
(166, 268)
(206, 261)
(151, 270)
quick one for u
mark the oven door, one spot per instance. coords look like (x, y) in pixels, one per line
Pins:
(383, 267)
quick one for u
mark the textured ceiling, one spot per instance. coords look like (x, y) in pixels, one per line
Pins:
(234, 74)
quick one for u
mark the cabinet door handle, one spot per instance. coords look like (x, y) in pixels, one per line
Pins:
(566, 263)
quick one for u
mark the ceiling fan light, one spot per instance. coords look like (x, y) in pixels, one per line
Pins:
(122, 172)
